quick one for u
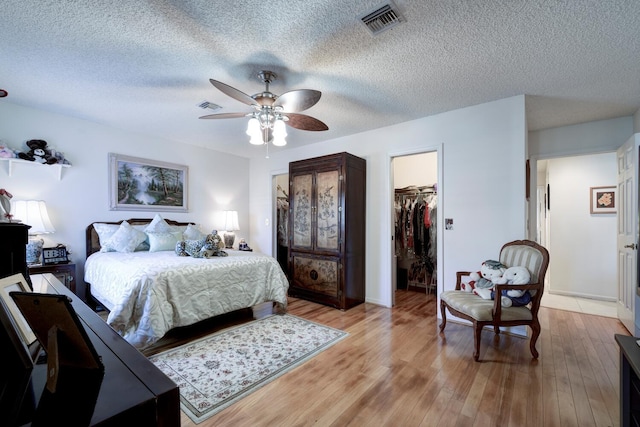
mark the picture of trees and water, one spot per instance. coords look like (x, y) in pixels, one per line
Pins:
(148, 184)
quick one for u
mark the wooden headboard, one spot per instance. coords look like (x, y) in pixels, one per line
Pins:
(93, 241)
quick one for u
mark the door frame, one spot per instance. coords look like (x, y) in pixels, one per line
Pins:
(438, 149)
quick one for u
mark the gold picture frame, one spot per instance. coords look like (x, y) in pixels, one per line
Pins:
(17, 283)
(604, 200)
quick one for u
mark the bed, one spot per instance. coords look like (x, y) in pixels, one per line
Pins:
(150, 290)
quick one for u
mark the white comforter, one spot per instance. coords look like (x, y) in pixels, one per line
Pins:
(149, 293)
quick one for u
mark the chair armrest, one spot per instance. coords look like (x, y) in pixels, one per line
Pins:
(459, 276)
(506, 287)
(497, 303)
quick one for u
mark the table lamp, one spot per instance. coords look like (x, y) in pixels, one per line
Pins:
(230, 225)
(33, 213)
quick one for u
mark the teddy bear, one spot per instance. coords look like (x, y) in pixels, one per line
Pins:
(38, 152)
(515, 297)
(481, 283)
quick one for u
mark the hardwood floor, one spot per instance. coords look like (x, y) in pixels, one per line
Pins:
(396, 369)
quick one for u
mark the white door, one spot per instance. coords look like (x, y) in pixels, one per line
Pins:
(627, 157)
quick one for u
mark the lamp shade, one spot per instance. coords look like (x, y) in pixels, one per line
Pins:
(33, 213)
(231, 221)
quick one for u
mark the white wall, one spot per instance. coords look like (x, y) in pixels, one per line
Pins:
(416, 169)
(583, 245)
(482, 186)
(217, 181)
(587, 138)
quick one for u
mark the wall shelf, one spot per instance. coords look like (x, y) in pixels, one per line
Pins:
(56, 166)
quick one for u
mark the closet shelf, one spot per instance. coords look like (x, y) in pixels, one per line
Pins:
(56, 166)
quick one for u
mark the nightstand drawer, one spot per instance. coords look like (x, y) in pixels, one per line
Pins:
(65, 273)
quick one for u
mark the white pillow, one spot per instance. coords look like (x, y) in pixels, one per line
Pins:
(105, 231)
(144, 246)
(125, 239)
(158, 225)
(192, 232)
(164, 241)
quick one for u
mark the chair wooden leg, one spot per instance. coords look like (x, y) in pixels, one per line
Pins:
(444, 315)
(535, 333)
(476, 340)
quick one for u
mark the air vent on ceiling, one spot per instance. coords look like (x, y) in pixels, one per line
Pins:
(382, 18)
(206, 104)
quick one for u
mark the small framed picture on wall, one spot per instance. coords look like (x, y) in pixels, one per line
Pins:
(603, 200)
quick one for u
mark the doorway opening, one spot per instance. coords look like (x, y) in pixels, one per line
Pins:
(281, 222)
(415, 202)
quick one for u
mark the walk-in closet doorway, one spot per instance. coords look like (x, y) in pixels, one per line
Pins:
(415, 224)
(281, 220)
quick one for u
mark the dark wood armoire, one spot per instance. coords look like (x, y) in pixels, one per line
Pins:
(327, 198)
(13, 249)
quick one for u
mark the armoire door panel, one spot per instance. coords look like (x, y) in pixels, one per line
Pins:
(327, 214)
(301, 210)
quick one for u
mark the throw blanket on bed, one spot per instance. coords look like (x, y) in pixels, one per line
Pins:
(149, 293)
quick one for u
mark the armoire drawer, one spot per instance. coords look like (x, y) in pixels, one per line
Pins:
(318, 275)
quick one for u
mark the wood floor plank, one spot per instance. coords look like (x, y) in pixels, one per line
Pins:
(395, 368)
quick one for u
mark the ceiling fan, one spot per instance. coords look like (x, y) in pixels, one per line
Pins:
(272, 112)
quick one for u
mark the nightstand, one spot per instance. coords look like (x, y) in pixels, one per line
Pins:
(65, 273)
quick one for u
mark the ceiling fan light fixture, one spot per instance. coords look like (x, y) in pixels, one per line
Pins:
(253, 127)
(279, 129)
(256, 139)
(271, 112)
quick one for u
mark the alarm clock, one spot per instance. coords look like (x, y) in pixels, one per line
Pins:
(57, 255)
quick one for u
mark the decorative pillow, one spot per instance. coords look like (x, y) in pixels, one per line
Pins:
(144, 246)
(192, 232)
(158, 225)
(125, 239)
(105, 231)
(163, 241)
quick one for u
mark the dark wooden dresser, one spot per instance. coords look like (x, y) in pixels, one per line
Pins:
(132, 392)
(629, 380)
(13, 249)
(327, 197)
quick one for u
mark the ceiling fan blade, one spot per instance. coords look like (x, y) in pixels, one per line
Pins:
(224, 116)
(304, 122)
(298, 100)
(233, 93)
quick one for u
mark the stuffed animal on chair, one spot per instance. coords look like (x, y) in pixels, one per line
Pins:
(490, 272)
(515, 297)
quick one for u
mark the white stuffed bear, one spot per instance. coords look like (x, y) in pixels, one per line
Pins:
(490, 272)
(515, 297)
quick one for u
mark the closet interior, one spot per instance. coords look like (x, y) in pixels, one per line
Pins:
(415, 206)
(282, 221)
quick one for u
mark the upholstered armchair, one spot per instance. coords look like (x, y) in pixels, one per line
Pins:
(483, 312)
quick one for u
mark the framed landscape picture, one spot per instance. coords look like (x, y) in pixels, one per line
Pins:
(603, 200)
(137, 184)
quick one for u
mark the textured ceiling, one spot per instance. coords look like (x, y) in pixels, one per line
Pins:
(144, 66)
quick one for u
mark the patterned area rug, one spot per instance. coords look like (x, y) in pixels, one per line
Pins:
(221, 369)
